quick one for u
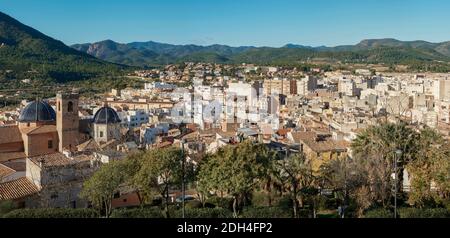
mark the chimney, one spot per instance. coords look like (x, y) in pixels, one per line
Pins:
(67, 153)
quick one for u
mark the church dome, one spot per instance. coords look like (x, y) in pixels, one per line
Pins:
(106, 115)
(37, 111)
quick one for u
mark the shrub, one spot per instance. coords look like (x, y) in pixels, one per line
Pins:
(203, 213)
(265, 212)
(328, 203)
(446, 204)
(423, 213)
(226, 203)
(193, 204)
(328, 215)
(332, 203)
(7, 206)
(304, 213)
(149, 212)
(379, 213)
(285, 203)
(53, 213)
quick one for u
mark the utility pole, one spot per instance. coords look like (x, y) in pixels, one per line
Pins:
(345, 188)
(397, 154)
(183, 189)
(395, 186)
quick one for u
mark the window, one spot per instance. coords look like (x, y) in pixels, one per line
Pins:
(59, 106)
(54, 196)
(70, 106)
(101, 133)
(73, 204)
(50, 144)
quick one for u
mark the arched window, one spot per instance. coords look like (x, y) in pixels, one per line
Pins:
(70, 107)
(59, 106)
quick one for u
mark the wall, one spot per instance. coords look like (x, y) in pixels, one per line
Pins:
(11, 147)
(38, 144)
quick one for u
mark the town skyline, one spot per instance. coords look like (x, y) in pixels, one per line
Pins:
(322, 23)
(154, 130)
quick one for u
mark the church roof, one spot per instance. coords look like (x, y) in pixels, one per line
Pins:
(37, 111)
(40, 130)
(106, 115)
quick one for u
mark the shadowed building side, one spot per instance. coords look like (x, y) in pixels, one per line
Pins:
(67, 122)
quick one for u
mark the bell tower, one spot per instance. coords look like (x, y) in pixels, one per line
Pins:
(67, 121)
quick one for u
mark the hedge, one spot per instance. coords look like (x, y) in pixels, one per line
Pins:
(221, 202)
(53, 213)
(6, 207)
(265, 212)
(156, 212)
(379, 213)
(424, 213)
(217, 212)
(153, 212)
(193, 204)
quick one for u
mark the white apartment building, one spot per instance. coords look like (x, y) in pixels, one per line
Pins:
(347, 87)
(307, 84)
(442, 89)
(133, 119)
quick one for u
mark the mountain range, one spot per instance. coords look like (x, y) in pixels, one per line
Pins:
(373, 50)
(27, 53)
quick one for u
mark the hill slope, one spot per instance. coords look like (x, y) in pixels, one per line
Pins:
(28, 53)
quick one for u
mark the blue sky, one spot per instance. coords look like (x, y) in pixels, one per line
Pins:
(233, 22)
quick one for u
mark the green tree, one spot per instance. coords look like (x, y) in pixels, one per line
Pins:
(235, 171)
(160, 170)
(101, 187)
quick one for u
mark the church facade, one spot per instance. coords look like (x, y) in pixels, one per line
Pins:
(43, 148)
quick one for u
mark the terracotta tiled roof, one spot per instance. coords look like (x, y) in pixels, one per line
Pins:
(10, 134)
(7, 156)
(324, 145)
(283, 132)
(8, 123)
(17, 165)
(109, 144)
(303, 135)
(5, 171)
(41, 130)
(16, 189)
(88, 145)
(163, 144)
(227, 133)
(57, 159)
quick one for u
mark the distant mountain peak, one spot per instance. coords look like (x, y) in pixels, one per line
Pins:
(296, 46)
